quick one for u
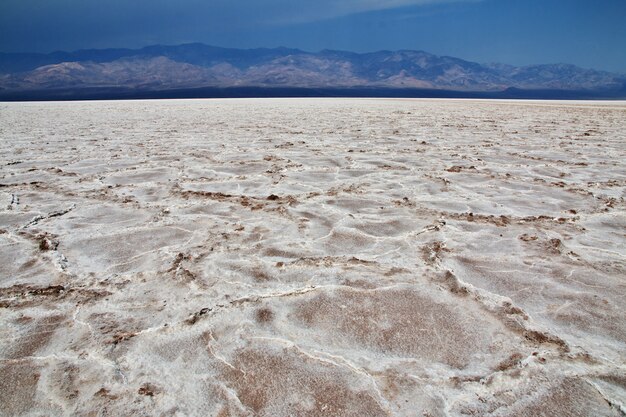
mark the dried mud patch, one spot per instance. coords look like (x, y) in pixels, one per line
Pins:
(347, 241)
(576, 300)
(572, 397)
(36, 338)
(273, 382)
(123, 252)
(18, 386)
(400, 322)
(389, 228)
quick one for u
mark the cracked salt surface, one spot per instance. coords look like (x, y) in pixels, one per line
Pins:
(313, 257)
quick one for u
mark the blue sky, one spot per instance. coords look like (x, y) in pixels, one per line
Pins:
(584, 32)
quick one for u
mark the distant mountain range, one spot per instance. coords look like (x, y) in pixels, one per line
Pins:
(198, 67)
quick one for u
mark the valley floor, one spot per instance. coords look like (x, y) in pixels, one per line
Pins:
(313, 257)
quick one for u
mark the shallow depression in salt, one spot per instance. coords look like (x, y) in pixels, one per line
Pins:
(313, 257)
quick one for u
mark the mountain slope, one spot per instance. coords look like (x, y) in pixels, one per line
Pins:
(196, 65)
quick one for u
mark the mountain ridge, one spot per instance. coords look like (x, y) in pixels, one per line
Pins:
(196, 65)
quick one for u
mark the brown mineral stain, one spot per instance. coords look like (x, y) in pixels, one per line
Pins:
(511, 362)
(264, 315)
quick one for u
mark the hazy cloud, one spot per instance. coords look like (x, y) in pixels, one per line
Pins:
(236, 11)
(50, 24)
(298, 11)
(286, 12)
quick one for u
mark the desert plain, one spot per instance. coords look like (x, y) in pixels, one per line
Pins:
(313, 257)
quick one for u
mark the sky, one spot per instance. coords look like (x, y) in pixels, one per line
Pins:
(588, 33)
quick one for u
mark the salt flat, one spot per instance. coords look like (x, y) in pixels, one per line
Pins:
(313, 257)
